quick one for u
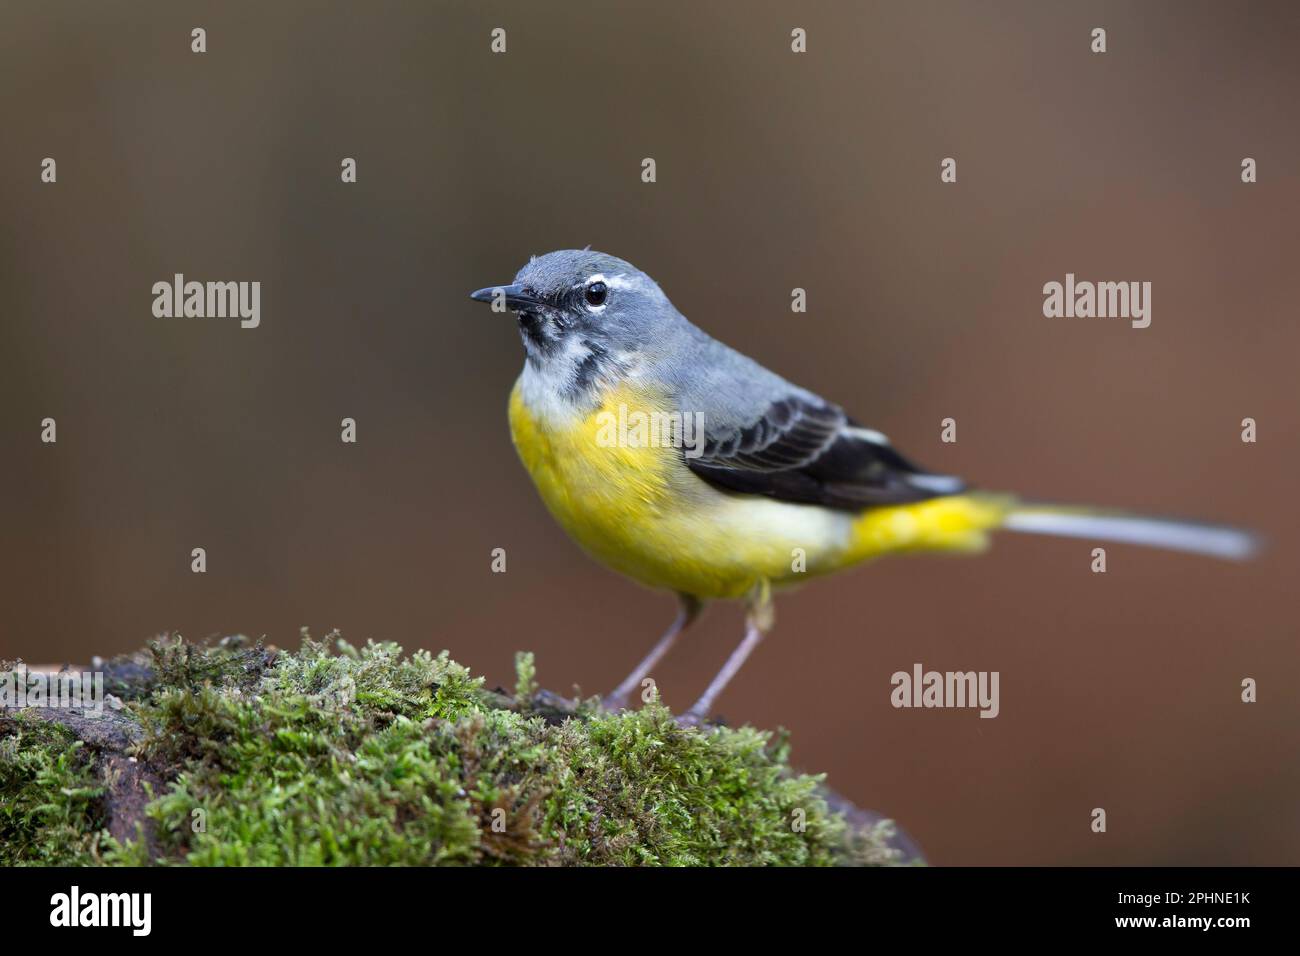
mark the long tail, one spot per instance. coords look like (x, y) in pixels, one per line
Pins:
(1214, 540)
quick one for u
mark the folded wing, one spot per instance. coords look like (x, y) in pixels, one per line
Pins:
(805, 450)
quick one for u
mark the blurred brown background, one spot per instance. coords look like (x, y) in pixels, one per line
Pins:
(775, 170)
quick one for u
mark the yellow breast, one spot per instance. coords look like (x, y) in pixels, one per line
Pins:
(637, 507)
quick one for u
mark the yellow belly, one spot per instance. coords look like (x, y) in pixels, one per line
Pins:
(642, 512)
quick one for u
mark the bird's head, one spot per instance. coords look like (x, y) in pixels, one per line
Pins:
(582, 314)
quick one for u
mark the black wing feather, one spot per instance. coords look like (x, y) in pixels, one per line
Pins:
(808, 452)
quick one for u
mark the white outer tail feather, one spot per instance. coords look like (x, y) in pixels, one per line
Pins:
(1213, 540)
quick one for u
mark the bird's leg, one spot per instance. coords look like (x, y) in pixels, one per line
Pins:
(688, 612)
(758, 621)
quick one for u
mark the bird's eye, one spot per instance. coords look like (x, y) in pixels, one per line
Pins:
(596, 293)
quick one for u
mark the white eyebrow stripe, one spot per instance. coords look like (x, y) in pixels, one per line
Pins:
(617, 282)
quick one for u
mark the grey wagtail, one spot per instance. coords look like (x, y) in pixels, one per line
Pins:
(688, 467)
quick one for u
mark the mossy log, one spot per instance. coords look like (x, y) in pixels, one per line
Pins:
(241, 754)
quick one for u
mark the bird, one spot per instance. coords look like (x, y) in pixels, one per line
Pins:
(690, 468)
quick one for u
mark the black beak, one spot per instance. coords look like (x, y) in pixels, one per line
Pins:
(516, 297)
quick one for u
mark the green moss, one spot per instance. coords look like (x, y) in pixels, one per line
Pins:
(50, 810)
(369, 756)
